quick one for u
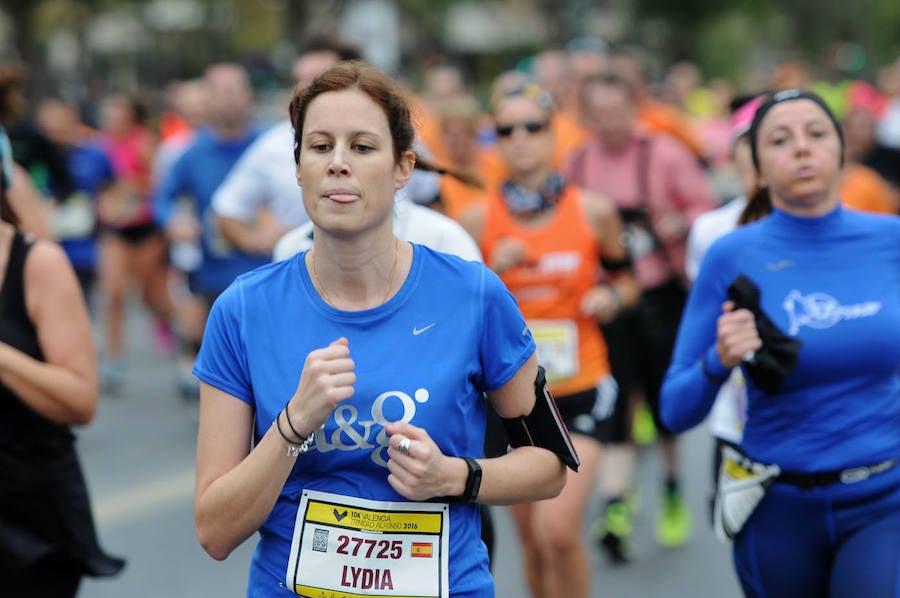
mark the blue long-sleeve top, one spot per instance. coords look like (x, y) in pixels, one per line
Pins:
(833, 282)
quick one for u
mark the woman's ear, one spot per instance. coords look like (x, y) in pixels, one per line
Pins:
(299, 176)
(404, 168)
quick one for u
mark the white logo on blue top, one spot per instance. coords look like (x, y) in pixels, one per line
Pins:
(355, 433)
(820, 310)
(418, 331)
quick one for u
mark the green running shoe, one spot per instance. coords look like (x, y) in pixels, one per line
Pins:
(633, 500)
(643, 428)
(674, 522)
(613, 531)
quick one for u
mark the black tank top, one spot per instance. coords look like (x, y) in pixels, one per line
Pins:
(44, 508)
(20, 427)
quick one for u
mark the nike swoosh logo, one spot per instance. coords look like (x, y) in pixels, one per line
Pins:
(418, 331)
(780, 265)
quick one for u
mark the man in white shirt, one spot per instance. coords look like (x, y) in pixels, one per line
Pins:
(260, 200)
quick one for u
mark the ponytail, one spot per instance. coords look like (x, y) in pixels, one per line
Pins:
(467, 178)
(758, 207)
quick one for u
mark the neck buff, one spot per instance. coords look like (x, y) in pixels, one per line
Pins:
(521, 200)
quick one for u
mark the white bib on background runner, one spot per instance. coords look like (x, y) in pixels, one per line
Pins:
(345, 547)
(742, 484)
(557, 347)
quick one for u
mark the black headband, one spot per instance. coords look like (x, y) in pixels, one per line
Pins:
(789, 95)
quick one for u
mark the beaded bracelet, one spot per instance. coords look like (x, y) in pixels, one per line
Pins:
(287, 415)
(304, 447)
(293, 448)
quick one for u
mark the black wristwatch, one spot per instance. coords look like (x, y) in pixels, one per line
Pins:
(473, 482)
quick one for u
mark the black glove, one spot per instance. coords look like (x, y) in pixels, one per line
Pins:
(778, 355)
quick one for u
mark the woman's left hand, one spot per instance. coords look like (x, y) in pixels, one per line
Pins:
(423, 471)
(736, 335)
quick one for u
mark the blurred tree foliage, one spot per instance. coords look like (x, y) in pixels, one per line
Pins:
(719, 34)
(725, 38)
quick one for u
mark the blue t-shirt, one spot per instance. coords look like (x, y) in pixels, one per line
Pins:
(426, 356)
(197, 173)
(91, 172)
(833, 282)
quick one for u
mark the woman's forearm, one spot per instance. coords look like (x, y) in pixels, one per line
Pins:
(53, 391)
(235, 505)
(688, 393)
(523, 475)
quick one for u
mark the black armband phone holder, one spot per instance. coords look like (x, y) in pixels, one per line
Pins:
(543, 427)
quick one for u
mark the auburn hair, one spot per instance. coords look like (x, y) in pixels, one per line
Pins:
(381, 89)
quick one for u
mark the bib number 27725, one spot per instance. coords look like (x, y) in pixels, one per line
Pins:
(345, 547)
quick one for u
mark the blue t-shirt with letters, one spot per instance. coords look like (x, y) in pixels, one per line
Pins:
(426, 356)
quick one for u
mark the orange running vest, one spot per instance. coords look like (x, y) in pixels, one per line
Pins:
(562, 264)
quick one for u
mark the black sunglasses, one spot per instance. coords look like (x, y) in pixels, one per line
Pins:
(532, 126)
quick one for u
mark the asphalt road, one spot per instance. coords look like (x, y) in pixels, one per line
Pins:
(138, 456)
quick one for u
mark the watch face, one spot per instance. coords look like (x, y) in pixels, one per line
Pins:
(476, 486)
(473, 482)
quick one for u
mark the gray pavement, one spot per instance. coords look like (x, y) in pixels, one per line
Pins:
(138, 457)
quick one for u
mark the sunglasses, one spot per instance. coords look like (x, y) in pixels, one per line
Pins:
(531, 127)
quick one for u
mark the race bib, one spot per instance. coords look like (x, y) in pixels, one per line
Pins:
(557, 347)
(742, 484)
(74, 218)
(345, 547)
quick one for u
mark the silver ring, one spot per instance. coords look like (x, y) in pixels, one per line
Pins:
(749, 357)
(404, 446)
